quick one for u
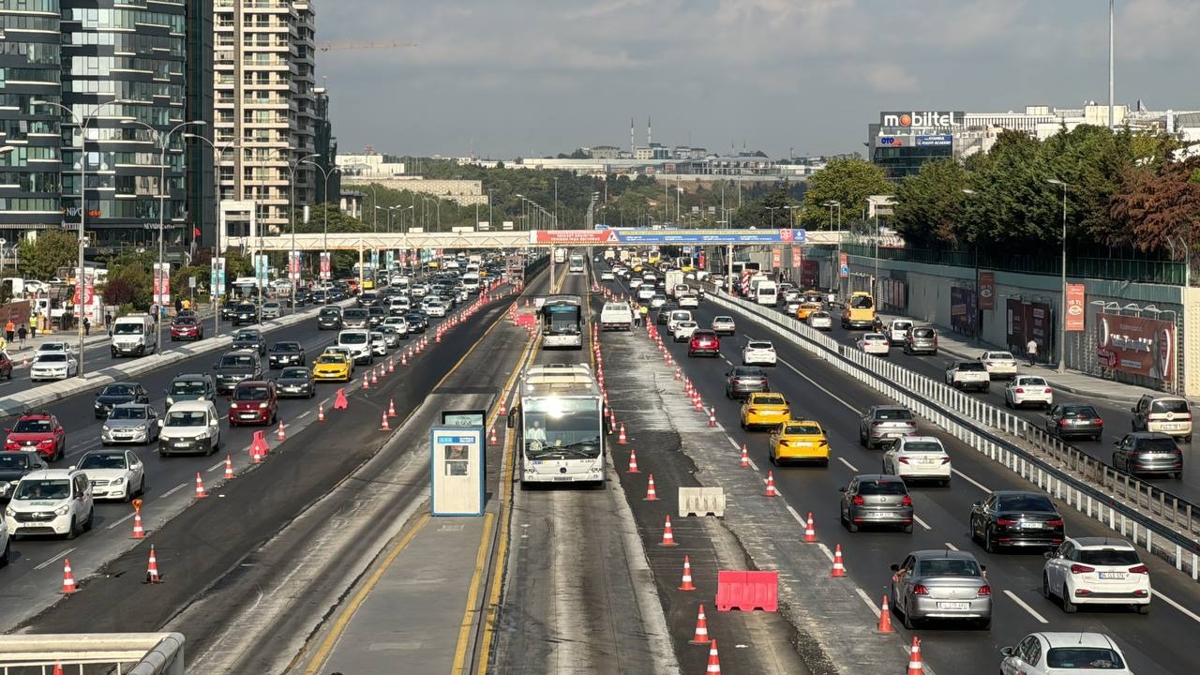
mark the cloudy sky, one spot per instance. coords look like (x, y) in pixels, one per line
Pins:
(507, 78)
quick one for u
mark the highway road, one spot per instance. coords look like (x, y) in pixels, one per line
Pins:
(1157, 643)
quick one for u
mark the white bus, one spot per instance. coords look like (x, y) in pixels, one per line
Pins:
(560, 256)
(560, 423)
(576, 265)
(562, 321)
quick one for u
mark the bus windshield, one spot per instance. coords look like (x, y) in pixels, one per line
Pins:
(562, 319)
(562, 428)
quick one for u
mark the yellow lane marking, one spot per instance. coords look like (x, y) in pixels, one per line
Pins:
(464, 629)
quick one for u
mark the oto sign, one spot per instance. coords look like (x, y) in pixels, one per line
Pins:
(1075, 307)
(1131, 344)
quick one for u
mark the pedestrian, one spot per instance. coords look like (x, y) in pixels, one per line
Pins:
(108, 322)
(178, 305)
(33, 326)
(87, 327)
(1031, 350)
(21, 333)
(645, 311)
(637, 317)
(10, 330)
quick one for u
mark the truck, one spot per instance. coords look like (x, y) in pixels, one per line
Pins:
(673, 278)
(616, 316)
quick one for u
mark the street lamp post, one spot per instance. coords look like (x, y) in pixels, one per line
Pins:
(1062, 319)
(213, 292)
(295, 279)
(837, 264)
(325, 174)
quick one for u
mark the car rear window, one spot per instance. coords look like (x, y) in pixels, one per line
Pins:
(881, 487)
(923, 332)
(803, 429)
(769, 400)
(748, 371)
(1025, 503)
(760, 345)
(923, 446)
(949, 567)
(970, 366)
(893, 414)
(1176, 406)
(1080, 412)
(1157, 445)
(1109, 556)
(1097, 658)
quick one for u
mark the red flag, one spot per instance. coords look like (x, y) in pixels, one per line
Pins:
(196, 232)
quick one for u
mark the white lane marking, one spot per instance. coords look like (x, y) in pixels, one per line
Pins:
(848, 464)
(970, 480)
(921, 522)
(867, 599)
(1026, 607)
(752, 464)
(51, 561)
(216, 466)
(114, 525)
(1184, 610)
(306, 413)
(826, 551)
(796, 515)
(172, 491)
(950, 546)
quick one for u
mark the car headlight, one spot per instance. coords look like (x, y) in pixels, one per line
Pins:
(9, 512)
(63, 510)
(140, 427)
(262, 406)
(119, 481)
(106, 428)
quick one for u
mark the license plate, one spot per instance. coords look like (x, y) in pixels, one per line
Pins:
(248, 416)
(1112, 575)
(562, 479)
(182, 445)
(954, 605)
(1032, 526)
(805, 445)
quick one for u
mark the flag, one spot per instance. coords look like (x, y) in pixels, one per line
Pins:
(195, 233)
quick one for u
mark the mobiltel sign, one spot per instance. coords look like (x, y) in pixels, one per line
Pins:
(921, 120)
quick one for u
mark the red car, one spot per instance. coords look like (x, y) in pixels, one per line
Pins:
(186, 328)
(253, 402)
(705, 342)
(6, 366)
(38, 431)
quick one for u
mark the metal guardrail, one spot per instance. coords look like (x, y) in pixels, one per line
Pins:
(93, 654)
(1164, 524)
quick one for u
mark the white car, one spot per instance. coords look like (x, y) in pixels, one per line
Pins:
(820, 321)
(1096, 571)
(645, 293)
(114, 474)
(689, 300)
(58, 366)
(897, 329)
(657, 300)
(916, 458)
(378, 344)
(397, 322)
(875, 343)
(272, 309)
(723, 325)
(635, 282)
(1028, 390)
(65, 495)
(759, 353)
(56, 347)
(999, 364)
(683, 330)
(606, 276)
(1053, 653)
(435, 309)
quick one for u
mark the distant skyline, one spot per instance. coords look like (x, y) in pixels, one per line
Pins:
(524, 78)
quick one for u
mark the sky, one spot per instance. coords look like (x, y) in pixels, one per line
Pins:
(521, 78)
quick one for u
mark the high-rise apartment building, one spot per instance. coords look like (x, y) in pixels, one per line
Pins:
(265, 104)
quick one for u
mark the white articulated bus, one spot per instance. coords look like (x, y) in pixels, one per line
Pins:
(560, 423)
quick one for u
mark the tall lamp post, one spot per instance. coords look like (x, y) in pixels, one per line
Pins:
(295, 279)
(324, 174)
(163, 141)
(220, 152)
(1062, 319)
(82, 122)
(837, 264)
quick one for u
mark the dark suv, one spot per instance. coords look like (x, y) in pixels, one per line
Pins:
(234, 367)
(745, 380)
(921, 340)
(1148, 452)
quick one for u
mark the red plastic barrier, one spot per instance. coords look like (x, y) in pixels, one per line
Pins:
(747, 591)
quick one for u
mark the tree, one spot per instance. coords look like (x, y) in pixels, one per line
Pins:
(129, 283)
(848, 181)
(42, 257)
(929, 204)
(1158, 208)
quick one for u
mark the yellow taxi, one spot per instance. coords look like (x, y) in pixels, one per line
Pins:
(765, 409)
(807, 308)
(332, 367)
(799, 441)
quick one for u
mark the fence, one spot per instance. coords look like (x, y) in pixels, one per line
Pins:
(93, 654)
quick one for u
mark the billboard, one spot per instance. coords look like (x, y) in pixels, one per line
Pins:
(987, 290)
(612, 237)
(941, 141)
(1131, 344)
(921, 120)
(162, 283)
(776, 258)
(962, 310)
(1075, 307)
(1015, 326)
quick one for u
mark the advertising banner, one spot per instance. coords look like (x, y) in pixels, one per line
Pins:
(944, 140)
(776, 258)
(987, 290)
(1131, 344)
(962, 310)
(1015, 326)
(216, 277)
(843, 265)
(1076, 309)
(89, 287)
(325, 266)
(797, 256)
(1041, 325)
(667, 237)
(162, 284)
(700, 259)
(294, 265)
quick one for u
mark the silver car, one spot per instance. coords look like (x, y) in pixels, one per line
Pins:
(130, 423)
(941, 584)
(271, 310)
(876, 499)
(883, 424)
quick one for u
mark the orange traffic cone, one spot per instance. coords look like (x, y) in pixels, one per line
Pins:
(492, 437)
(391, 408)
(714, 661)
(651, 493)
(745, 457)
(668, 538)
(633, 467)
(621, 440)
(771, 491)
(280, 434)
(366, 381)
(839, 569)
(374, 378)
(404, 359)
(320, 412)
(915, 665)
(57, 669)
(687, 584)
(503, 410)
(810, 533)
(678, 374)
(152, 575)
(384, 426)
(392, 364)
(229, 467)
(340, 402)
(200, 493)
(68, 586)
(885, 618)
(712, 416)
(138, 531)
(701, 637)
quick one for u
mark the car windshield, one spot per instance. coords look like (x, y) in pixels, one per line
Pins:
(1031, 382)
(1094, 658)
(923, 446)
(13, 460)
(1083, 411)
(32, 426)
(1157, 445)
(971, 366)
(358, 314)
(1177, 406)
(52, 358)
(106, 460)
(251, 394)
(189, 418)
(803, 429)
(893, 414)
(285, 347)
(53, 347)
(117, 390)
(43, 489)
(127, 329)
(185, 321)
(330, 312)
(237, 361)
(331, 358)
(294, 374)
(881, 487)
(187, 387)
(353, 339)
(1119, 557)
(949, 567)
(246, 335)
(772, 399)
(1026, 503)
(760, 345)
(874, 337)
(127, 413)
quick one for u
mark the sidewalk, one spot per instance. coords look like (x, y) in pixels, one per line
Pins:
(98, 336)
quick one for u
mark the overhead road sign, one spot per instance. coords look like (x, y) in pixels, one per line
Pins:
(613, 237)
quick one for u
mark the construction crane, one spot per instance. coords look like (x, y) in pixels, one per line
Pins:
(339, 46)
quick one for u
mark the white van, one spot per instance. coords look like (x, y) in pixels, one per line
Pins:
(51, 501)
(470, 281)
(133, 336)
(358, 341)
(766, 293)
(190, 427)
(678, 316)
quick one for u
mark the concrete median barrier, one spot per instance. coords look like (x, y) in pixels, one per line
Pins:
(701, 501)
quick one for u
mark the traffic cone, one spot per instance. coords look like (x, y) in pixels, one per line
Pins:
(714, 661)
(375, 378)
(668, 538)
(701, 637)
(915, 665)
(152, 575)
(391, 408)
(745, 457)
(57, 669)
(678, 374)
(621, 440)
(712, 416)
(366, 381)
(699, 403)
(810, 533)
(320, 412)
(503, 412)
(839, 570)
(885, 618)
(404, 358)
(200, 493)
(651, 493)
(687, 584)
(280, 434)
(68, 578)
(340, 402)
(633, 467)
(771, 492)
(138, 531)
(392, 364)
(384, 426)
(229, 467)
(492, 437)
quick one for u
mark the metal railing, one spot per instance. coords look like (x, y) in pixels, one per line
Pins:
(93, 654)
(1162, 523)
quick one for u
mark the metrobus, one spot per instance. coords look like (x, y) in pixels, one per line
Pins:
(576, 265)
(559, 420)
(560, 256)
(562, 321)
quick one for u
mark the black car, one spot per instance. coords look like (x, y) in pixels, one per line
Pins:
(1019, 518)
(330, 318)
(664, 313)
(250, 339)
(745, 380)
(367, 299)
(296, 382)
(1074, 420)
(116, 394)
(1148, 452)
(13, 466)
(376, 315)
(229, 309)
(286, 354)
(303, 297)
(235, 367)
(245, 313)
(417, 322)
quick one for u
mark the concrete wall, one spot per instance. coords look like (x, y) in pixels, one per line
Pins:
(465, 192)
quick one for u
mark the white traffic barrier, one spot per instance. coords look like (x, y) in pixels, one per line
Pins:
(708, 501)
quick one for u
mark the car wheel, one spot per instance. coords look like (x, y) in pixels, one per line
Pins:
(1141, 609)
(862, 439)
(984, 624)
(851, 525)
(1068, 606)
(91, 519)
(989, 544)
(73, 532)
(8, 545)
(774, 460)
(1046, 587)
(1186, 439)
(1096, 437)
(906, 619)
(908, 528)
